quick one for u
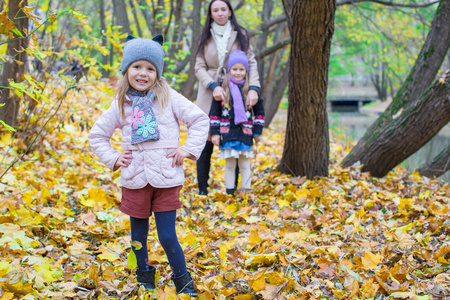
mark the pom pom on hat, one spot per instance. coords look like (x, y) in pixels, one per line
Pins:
(143, 49)
(237, 57)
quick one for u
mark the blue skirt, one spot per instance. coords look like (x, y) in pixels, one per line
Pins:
(235, 149)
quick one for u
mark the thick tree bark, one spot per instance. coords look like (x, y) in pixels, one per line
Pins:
(311, 25)
(12, 70)
(412, 129)
(120, 9)
(420, 77)
(438, 166)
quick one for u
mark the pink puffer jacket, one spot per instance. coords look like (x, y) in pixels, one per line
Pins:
(149, 163)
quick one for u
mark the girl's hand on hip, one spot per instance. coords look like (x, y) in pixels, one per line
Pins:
(219, 93)
(178, 157)
(252, 98)
(124, 159)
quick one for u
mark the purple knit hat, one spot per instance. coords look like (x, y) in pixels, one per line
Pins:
(237, 57)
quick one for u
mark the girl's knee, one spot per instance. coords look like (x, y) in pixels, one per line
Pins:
(167, 239)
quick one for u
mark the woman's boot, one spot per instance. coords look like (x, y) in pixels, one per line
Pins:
(203, 168)
(185, 285)
(146, 278)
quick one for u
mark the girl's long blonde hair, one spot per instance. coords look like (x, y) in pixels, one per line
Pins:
(226, 84)
(160, 87)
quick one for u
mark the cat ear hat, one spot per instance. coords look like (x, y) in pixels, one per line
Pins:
(143, 49)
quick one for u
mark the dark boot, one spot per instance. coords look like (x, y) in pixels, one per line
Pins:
(146, 278)
(231, 191)
(185, 285)
(203, 168)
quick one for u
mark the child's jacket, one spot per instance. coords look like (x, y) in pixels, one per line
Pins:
(149, 163)
(222, 122)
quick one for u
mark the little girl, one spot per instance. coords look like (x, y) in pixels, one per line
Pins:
(232, 126)
(148, 110)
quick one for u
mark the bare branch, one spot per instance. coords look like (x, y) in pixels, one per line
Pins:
(262, 27)
(272, 49)
(239, 5)
(387, 3)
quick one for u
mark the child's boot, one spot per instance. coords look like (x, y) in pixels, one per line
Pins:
(185, 285)
(146, 278)
(231, 191)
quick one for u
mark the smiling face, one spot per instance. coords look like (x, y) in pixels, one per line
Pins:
(220, 12)
(142, 75)
(238, 71)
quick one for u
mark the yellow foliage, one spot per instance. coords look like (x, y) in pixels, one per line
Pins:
(347, 236)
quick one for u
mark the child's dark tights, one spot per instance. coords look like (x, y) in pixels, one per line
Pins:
(165, 226)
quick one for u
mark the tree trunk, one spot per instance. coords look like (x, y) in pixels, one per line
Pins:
(188, 89)
(177, 31)
(158, 10)
(13, 70)
(277, 78)
(120, 9)
(409, 131)
(105, 73)
(136, 19)
(147, 15)
(311, 25)
(439, 166)
(262, 41)
(420, 77)
(271, 104)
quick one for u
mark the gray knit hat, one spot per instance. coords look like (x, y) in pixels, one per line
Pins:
(150, 50)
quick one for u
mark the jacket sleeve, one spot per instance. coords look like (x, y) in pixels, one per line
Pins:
(259, 120)
(201, 71)
(196, 120)
(100, 135)
(253, 74)
(214, 117)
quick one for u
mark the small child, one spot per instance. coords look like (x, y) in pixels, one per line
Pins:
(147, 111)
(232, 126)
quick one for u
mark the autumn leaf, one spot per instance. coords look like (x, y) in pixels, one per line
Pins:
(370, 260)
(346, 236)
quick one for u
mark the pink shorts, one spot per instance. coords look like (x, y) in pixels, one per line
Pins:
(140, 203)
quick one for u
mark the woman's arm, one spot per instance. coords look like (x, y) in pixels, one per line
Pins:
(201, 71)
(253, 77)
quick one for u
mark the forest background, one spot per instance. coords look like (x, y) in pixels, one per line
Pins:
(347, 235)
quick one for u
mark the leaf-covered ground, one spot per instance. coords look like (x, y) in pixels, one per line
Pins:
(346, 236)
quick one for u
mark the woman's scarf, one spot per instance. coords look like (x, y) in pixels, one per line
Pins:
(238, 103)
(144, 126)
(222, 35)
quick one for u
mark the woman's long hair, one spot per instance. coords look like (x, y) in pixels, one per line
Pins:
(242, 35)
(160, 87)
(226, 84)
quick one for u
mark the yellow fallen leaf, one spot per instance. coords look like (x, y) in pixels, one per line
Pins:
(371, 260)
